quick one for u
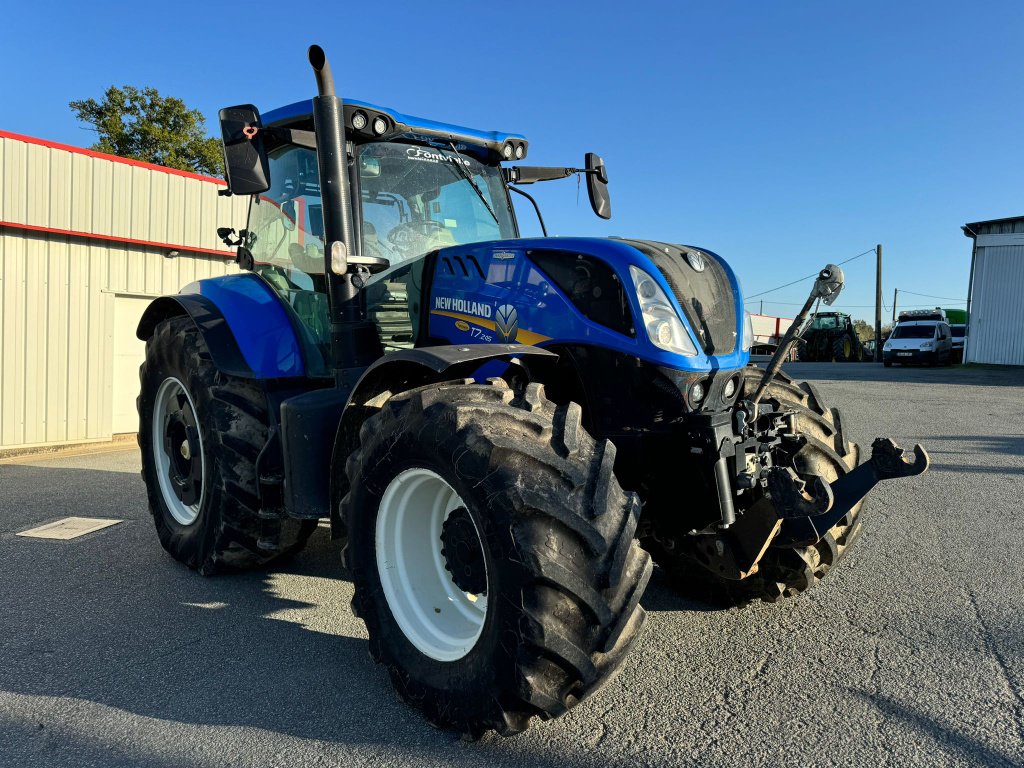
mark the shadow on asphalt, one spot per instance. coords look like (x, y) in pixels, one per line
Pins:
(110, 619)
(971, 751)
(1008, 444)
(976, 469)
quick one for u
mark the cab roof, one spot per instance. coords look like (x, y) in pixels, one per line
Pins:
(417, 127)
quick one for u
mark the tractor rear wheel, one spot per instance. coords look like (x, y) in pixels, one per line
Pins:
(843, 350)
(493, 554)
(200, 432)
(783, 571)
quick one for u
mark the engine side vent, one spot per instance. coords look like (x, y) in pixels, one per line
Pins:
(591, 285)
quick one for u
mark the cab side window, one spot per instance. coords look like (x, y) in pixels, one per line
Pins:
(285, 238)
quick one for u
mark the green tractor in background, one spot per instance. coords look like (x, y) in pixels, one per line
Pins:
(830, 338)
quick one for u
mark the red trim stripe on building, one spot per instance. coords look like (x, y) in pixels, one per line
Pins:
(111, 158)
(116, 239)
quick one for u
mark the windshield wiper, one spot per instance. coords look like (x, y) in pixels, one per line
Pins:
(463, 173)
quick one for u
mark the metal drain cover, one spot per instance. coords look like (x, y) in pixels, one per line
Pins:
(69, 528)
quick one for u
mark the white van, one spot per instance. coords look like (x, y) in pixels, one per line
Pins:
(919, 341)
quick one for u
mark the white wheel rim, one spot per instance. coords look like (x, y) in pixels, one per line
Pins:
(439, 619)
(166, 396)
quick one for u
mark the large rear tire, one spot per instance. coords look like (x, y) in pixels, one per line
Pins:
(842, 349)
(463, 495)
(783, 571)
(200, 433)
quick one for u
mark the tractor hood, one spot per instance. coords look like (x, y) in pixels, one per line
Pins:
(560, 290)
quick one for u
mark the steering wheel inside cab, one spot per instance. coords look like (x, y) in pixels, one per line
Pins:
(412, 235)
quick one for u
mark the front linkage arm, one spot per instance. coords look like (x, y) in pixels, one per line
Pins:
(811, 508)
(826, 288)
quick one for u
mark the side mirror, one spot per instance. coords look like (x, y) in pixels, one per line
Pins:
(597, 186)
(288, 220)
(246, 166)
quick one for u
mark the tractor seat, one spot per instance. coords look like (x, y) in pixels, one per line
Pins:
(372, 251)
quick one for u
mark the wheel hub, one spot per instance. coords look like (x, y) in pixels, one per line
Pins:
(181, 445)
(178, 451)
(463, 557)
(423, 537)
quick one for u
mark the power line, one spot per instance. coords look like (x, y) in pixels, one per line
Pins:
(815, 274)
(930, 296)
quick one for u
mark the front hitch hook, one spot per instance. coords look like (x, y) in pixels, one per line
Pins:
(891, 461)
(802, 524)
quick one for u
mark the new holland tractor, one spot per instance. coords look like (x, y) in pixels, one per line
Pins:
(501, 429)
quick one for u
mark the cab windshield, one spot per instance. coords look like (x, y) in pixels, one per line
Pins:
(824, 322)
(415, 199)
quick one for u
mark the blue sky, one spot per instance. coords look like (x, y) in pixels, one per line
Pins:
(781, 135)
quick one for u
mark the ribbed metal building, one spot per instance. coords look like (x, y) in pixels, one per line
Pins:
(86, 241)
(995, 320)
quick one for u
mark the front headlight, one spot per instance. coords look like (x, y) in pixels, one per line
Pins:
(748, 332)
(927, 344)
(664, 328)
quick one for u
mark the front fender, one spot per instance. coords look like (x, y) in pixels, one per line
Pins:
(401, 371)
(242, 320)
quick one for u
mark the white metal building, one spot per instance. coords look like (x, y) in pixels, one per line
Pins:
(995, 297)
(86, 241)
(769, 329)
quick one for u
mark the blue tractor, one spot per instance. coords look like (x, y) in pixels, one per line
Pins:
(503, 430)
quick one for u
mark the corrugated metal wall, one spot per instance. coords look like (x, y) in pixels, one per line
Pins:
(58, 292)
(53, 188)
(996, 333)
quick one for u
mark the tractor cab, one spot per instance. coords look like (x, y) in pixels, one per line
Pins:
(828, 320)
(416, 186)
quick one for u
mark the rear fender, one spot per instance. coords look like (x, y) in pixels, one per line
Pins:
(244, 323)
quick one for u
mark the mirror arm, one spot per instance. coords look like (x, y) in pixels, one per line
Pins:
(529, 174)
(293, 136)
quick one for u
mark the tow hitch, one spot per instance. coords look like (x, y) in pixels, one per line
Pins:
(808, 515)
(804, 509)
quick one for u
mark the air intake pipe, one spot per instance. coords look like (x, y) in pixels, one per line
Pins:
(354, 340)
(329, 122)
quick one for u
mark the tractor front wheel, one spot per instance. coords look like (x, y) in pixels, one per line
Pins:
(492, 553)
(200, 433)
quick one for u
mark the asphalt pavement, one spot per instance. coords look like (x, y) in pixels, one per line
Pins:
(909, 653)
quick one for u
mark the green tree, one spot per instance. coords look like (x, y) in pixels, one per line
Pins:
(143, 125)
(866, 331)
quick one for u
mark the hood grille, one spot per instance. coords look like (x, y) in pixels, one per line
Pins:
(706, 296)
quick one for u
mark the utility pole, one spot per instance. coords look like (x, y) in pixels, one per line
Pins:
(878, 305)
(895, 294)
(762, 306)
